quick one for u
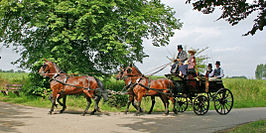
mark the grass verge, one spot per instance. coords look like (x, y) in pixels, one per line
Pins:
(252, 127)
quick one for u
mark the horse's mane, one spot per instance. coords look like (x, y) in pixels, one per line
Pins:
(57, 68)
(137, 69)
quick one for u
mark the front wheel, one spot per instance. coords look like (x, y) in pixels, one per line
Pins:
(181, 103)
(200, 105)
(223, 101)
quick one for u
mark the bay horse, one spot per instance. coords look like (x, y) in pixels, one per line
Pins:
(64, 85)
(129, 80)
(147, 87)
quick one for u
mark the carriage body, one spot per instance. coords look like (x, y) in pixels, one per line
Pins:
(194, 92)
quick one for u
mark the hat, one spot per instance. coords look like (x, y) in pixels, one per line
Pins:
(210, 65)
(192, 51)
(217, 63)
(179, 47)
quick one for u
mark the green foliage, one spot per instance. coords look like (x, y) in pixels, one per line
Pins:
(118, 101)
(252, 127)
(84, 36)
(260, 72)
(234, 11)
(201, 59)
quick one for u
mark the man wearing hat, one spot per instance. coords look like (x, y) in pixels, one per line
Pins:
(218, 71)
(180, 59)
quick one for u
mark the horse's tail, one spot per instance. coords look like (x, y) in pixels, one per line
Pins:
(99, 83)
(100, 88)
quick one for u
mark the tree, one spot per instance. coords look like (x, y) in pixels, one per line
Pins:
(260, 72)
(234, 11)
(84, 36)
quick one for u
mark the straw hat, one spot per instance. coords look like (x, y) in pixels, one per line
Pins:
(192, 51)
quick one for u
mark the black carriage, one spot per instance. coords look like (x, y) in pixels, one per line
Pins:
(195, 92)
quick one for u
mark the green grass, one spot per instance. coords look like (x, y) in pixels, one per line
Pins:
(247, 93)
(252, 127)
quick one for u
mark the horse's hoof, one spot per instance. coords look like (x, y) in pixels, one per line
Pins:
(84, 114)
(137, 114)
(92, 113)
(61, 111)
(50, 113)
(149, 112)
(125, 112)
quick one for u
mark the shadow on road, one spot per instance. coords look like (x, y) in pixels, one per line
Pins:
(11, 111)
(158, 123)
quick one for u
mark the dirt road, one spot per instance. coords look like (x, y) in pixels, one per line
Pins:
(24, 119)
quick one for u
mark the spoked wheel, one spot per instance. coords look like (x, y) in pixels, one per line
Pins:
(181, 103)
(223, 101)
(200, 105)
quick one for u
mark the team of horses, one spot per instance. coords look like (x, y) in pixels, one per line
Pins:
(138, 86)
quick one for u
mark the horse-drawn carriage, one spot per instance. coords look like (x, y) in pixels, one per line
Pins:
(199, 93)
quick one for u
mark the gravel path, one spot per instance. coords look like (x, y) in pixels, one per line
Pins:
(24, 119)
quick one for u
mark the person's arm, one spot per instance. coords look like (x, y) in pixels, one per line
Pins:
(195, 65)
(221, 73)
(183, 56)
(211, 74)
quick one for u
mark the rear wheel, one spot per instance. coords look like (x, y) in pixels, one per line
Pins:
(181, 103)
(200, 105)
(223, 101)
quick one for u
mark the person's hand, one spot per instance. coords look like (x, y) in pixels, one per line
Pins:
(175, 60)
(178, 60)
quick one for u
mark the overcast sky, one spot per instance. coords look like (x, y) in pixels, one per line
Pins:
(239, 55)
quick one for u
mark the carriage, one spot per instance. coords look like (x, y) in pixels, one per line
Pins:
(195, 92)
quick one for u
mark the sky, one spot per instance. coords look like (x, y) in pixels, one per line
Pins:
(239, 55)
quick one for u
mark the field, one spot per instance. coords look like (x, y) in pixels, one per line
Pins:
(247, 93)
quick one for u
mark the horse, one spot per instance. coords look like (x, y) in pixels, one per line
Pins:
(61, 83)
(129, 80)
(147, 87)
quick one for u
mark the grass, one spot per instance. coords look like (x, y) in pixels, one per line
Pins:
(247, 93)
(252, 127)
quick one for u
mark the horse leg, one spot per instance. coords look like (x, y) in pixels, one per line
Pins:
(64, 104)
(88, 105)
(165, 102)
(53, 99)
(130, 100)
(152, 105)
(174, 103)
(97, 100)
(50, 98)
(139, 103)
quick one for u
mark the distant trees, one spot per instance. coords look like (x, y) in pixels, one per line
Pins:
(260, 72)
(12, 71)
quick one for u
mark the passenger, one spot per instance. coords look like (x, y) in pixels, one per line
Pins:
(180, 59)
(191, 66)
(218, 71)
(209, 72)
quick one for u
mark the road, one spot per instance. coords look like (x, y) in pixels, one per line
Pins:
(24, 119)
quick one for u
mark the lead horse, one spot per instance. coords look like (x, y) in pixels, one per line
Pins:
(129, 80)
(64, 85)
(147, 87)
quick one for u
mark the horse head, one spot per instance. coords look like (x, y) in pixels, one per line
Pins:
(131, 71)
(120, 74)
(48, 69)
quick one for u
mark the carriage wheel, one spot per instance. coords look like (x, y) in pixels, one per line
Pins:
(200, 105)
(223, 101)
(181, 103)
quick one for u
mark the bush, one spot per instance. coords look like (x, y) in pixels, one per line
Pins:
(118, 101)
